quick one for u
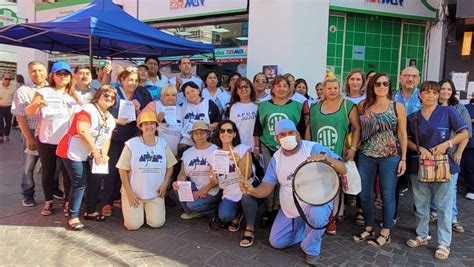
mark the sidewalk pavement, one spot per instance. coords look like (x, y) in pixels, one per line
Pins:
(27, 238)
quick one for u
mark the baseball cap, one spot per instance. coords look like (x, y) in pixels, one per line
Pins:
(147, 116)
(199, 125)
(284, 125)
(60, 65)
(102, 64)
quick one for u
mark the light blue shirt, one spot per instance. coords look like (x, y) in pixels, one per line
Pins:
(413, 104)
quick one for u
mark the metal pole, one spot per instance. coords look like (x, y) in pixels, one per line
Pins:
(90, 53)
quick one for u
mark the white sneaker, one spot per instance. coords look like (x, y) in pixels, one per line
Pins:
(470, 196)
(192, 215)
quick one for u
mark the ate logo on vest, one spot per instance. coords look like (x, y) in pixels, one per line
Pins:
(327, 136)
(273, 120)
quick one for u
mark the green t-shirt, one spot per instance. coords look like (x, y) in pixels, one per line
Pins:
(270, 114)
(330, 129)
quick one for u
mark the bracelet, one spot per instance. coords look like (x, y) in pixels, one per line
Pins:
(403, 160)
(353, 148)
(256, 148)
(450, 143)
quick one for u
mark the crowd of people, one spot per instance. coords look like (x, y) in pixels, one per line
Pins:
(132, 142)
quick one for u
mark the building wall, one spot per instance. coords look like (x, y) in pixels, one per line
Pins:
(290, 34)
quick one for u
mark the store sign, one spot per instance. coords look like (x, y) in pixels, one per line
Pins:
(416, 9)
(223, 55)
(158, 10)
(7, 17)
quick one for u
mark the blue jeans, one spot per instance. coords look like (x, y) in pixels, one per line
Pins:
(386, 168)
(227, 210)
(80, 173)
(250, 207)
(27, 177)
(204, 205)
(287, 232)
(443, 200)
(454, 178)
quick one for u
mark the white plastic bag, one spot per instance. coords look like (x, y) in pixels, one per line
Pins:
(351, 181)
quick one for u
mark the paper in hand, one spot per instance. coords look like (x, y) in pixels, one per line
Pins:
(185, 192)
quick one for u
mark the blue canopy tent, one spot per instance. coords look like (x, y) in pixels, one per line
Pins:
(101, 29)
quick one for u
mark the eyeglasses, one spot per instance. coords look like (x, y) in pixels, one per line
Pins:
(243, 87)
(107, 95)
(407, 76)
(198, 132)
(229, 131)
(385, 83)
(62, 73)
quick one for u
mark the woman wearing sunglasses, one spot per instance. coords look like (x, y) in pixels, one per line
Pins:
(383, 153)
(243, 110)
(56, 105)
(240, 167)
(87, 140)
(125, 129)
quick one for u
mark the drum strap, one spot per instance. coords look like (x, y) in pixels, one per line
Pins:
(303, 216)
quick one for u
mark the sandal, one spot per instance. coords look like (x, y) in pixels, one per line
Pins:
(360, 219)
(457, 227)
(378, 204)
(442, 252)
(248, 238)
(94, 217)
(107, 210)
(364, 235)
(433, 217)
(235, 226)
(76, 226)
(380, 240)
(418, 241)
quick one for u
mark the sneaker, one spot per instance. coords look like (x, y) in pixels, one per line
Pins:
(58, 194)
(28, 202)
(311, 260)
(331, 228)
(191, 215)
(47, 208)
(470, 196)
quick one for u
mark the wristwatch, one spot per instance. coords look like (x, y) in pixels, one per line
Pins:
(450, 143)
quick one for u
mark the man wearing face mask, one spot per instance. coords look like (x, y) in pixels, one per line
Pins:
(289, 228)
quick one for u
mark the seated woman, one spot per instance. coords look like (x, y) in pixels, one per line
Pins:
(145, 168)
(195, 167)
(240, 167)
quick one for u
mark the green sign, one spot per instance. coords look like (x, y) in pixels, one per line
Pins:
(7, 17)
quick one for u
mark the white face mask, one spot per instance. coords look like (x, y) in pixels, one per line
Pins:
(288, 142)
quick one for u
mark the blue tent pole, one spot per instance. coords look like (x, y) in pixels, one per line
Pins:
(90, 53)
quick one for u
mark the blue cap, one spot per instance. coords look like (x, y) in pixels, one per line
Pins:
(284, 125)
(61, 66)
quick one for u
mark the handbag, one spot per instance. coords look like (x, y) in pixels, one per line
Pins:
(351, 183)
(348, 141)
(431, 168)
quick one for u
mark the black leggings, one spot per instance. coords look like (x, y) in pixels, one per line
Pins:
(5, 121)
(48, 158)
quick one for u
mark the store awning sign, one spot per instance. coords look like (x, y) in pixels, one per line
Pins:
(414, 9)
(7, 17)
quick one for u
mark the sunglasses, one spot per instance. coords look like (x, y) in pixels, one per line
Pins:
(385, 83)
(243, 87)
(229, 131)
(62, 73)
(107, 95)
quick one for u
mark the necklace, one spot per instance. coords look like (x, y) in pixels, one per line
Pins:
(149, 157)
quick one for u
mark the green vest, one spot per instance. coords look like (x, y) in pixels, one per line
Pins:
(330, 129)
(270, 114)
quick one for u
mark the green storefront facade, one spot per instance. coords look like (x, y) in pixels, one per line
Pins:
(377, 41)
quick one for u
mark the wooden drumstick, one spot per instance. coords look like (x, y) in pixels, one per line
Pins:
(236, 165)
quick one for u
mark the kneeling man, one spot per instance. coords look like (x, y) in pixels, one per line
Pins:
(289, 228)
